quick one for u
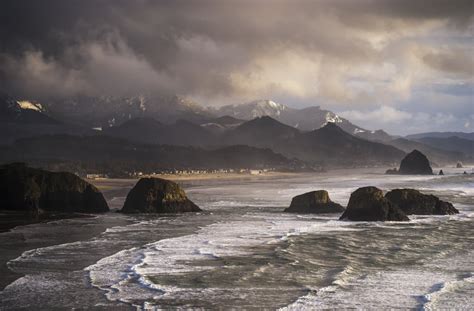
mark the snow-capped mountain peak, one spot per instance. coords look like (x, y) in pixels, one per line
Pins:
(254, 109)
(266, 107)
(333, 118)
(25, 104)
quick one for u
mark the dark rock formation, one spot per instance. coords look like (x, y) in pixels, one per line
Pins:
(156, 195)
(36, 192)
(391, 171)
(441, 172)
(369, 204)
(316, 202)
(413, 202)
(415, 163)
(459, 165)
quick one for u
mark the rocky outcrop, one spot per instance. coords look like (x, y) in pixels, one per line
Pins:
(413, 202)
(459, 165)
(369, 204)
(37, 192)
(441, 172)
(316, 202)
(415, 163)
(156, 195)
(391, 171)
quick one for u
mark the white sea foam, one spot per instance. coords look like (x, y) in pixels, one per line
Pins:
(433, 298)
(180, 255)
(382, 290)
(133, 275)
(430, 287)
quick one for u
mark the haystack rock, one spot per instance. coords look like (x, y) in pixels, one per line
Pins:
(316, 202)
(38, 192)
(369, 204)
(156, 195)
(413, 202)
(415, 163)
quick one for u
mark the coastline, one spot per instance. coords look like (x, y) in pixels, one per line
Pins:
(104, 184)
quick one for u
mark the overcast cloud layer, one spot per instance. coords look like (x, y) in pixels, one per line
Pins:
(405, 66)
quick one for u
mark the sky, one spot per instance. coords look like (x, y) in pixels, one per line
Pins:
(405, 66)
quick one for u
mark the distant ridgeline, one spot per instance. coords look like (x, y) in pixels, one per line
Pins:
(143, 134)
(118, 157)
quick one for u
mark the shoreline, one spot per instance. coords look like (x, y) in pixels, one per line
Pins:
(102, 183)
(223, 176)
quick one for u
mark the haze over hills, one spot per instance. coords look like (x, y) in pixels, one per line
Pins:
(117, 156)
(305, 119)
(148, 130)
(464, 135)
(335, 147)
(107, 111)
(452, 143)
(329, 145)
(436, 155)
(316, 136)
(261, 131)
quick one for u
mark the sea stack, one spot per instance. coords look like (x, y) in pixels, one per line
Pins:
(415, 163)
(316, 202)
(459, 165)
(413, 202)
(369, 204)
(156, 195)
(37, 192)
(392, 171)
(441, 172)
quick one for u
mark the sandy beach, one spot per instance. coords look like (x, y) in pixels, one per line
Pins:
(105, 184)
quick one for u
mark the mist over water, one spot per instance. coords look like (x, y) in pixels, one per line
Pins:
(242, 251)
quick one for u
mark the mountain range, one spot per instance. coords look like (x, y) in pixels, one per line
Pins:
(118, 156)
(329, 145)
(463, 135)
(312, 135)
(453, 143)
(108, 111)
(305, 119)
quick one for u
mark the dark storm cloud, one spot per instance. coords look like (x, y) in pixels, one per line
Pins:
(203, 48)
(454, 62)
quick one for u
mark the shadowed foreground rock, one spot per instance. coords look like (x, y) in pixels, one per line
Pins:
(369, 204)
(316, 202)
(156, 195)
(36, 192)
(415, 163)
(413, 202)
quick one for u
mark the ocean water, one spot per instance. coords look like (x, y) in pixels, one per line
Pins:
(243, 252)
